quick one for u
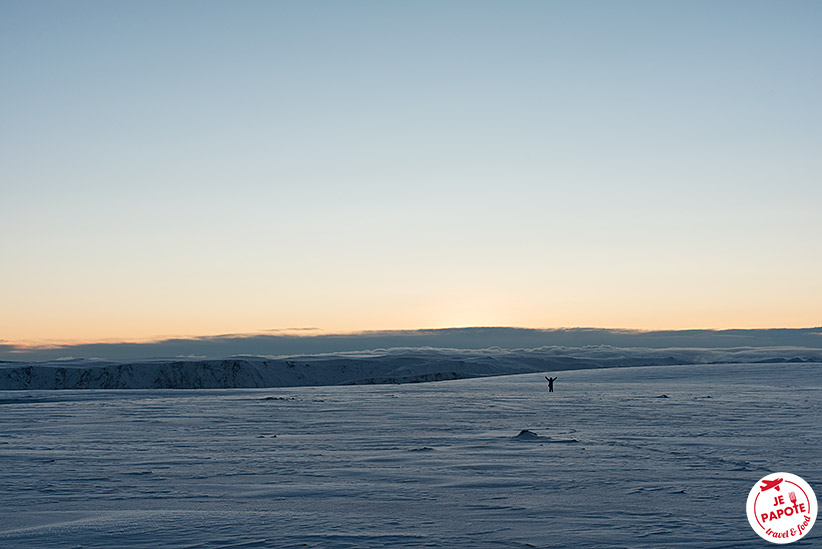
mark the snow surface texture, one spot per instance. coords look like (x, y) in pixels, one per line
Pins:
(356, 368)
(609, 462)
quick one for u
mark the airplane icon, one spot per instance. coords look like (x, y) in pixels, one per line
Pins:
(771, 484)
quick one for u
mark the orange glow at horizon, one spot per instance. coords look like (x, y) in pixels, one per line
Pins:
(113, 306)
(131, 332)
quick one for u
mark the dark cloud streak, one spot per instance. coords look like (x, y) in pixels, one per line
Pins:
(269, 344)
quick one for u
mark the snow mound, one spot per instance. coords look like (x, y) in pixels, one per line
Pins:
(526, 435)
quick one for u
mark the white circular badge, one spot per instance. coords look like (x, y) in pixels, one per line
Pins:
(782, 508)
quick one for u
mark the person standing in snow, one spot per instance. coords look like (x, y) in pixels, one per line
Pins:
(551, 381)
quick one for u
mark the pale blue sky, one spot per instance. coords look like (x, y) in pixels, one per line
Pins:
(190, 168)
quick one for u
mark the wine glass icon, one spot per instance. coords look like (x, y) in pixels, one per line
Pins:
(792, 497)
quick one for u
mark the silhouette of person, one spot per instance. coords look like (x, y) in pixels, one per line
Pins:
(551, 381)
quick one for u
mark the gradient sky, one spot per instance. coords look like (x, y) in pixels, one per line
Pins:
(194, 168)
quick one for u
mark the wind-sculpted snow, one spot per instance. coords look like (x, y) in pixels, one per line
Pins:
(401, 365)
(603, 462)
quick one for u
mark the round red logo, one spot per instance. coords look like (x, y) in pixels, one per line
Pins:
(781, 508)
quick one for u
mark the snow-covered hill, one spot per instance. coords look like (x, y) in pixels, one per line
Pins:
(382, 366)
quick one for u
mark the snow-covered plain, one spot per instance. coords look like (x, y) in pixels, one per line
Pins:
(623, 457)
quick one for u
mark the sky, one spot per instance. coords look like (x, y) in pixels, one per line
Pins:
(186, 169)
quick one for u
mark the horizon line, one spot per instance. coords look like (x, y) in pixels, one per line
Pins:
(314, 332)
